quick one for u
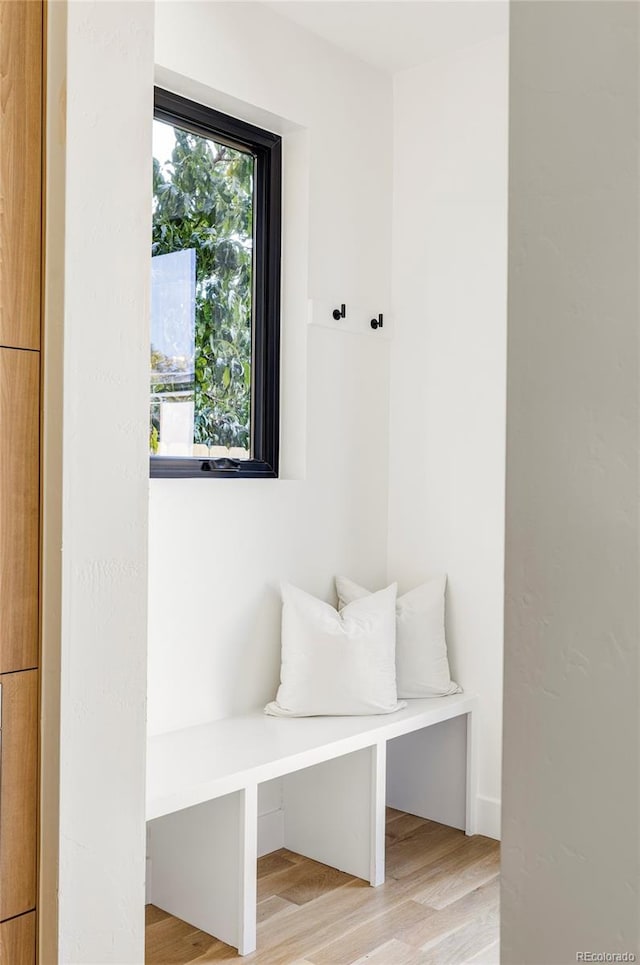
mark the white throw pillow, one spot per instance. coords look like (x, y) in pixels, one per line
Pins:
(337, 663)
(422, 665)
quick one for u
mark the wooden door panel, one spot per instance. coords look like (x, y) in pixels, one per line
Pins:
(19, 507)
(20, 172)
(18, 793)
(18, 940)
(21, 186)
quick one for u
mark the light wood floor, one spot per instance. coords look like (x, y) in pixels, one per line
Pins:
(438, 906)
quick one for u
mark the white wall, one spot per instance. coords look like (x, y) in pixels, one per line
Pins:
(448, 363)
(572, 734)
(215, 614)
(100, 60)
(214, 622)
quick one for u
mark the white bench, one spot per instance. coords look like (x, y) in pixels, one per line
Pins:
(202, 799)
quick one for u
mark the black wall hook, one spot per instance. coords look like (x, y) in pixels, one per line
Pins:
(339, 313)
(377, 322)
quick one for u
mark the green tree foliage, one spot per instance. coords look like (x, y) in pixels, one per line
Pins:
(203, 200)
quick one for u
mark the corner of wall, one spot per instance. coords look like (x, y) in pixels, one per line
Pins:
(51, 523)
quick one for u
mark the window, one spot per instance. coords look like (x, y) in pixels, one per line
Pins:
(215, 294)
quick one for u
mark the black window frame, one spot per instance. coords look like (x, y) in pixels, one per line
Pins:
(266, 148)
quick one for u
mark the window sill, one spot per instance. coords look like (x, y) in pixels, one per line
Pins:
(167, 467)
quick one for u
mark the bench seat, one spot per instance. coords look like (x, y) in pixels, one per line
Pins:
(197, 764)
(202, 803)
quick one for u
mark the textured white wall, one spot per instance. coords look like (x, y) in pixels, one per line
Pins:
(572, 734)
(98, 342)
(214, 622)
(448, 363)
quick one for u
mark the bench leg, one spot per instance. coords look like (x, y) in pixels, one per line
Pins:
(204, 867)
(378, 814)
(470, 817)
(334, 813)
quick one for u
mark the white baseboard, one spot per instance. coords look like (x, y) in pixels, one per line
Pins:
(270, 832)
(488, 817)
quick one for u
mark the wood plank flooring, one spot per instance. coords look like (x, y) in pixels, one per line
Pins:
(438, 906)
